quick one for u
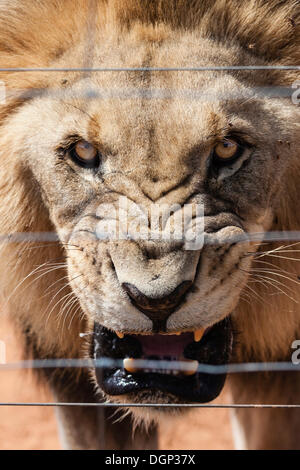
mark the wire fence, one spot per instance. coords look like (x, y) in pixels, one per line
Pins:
(141, 364)
(224, 68)
(181, 366)
(104, 363)
(90, 93)
(278, 236)
(271, 236)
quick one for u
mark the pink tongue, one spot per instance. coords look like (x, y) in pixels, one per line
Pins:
(165, 345)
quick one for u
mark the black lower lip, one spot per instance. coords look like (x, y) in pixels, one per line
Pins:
(214, 349)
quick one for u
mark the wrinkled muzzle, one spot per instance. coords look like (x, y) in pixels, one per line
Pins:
(162, 309)
(155, 287)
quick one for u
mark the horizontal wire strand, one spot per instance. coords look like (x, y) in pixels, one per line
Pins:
(151, 69)
(280, 236)
(203, 368)
(151, 405)
(152, 364)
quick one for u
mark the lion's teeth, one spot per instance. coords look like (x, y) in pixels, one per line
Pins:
(128, 364)
(198, 335)
(120, 335)
(190, 368)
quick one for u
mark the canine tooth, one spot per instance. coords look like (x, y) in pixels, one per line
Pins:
(120, 335)
(129, 365)
(198, 335)
(191, 367)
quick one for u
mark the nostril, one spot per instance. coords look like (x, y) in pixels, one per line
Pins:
(136, 295)
(157, 309)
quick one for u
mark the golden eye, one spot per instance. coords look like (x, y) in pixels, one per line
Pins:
(85, 150)
(226, 150)
(85, 154)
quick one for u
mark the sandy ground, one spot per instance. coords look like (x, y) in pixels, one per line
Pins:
(34, 428)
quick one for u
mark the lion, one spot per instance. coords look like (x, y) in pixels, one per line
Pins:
(152, 104)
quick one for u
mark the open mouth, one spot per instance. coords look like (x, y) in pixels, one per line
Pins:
(149, 362)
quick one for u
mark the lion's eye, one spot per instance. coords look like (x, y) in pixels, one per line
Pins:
(85, 154)
(226, 151)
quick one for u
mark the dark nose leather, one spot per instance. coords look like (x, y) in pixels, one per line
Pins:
(157, 310)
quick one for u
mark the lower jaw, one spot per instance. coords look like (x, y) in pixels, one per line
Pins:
(201, 388)
(158, 388)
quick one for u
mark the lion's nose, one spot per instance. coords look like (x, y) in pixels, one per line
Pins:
(157, 310)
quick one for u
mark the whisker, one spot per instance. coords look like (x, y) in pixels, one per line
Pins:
(254, 280)
(273, 266)
(277, 287)
(53, 284)
(57, 303)
(69, 304)
(47, 271)
(74, 314)
(57, 293)
(276, 282)
(259, 298)
(284, 257)
(288, 246)
(34, 271)
(277, 274)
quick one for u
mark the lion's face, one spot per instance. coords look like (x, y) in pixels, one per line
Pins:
(157, 139)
